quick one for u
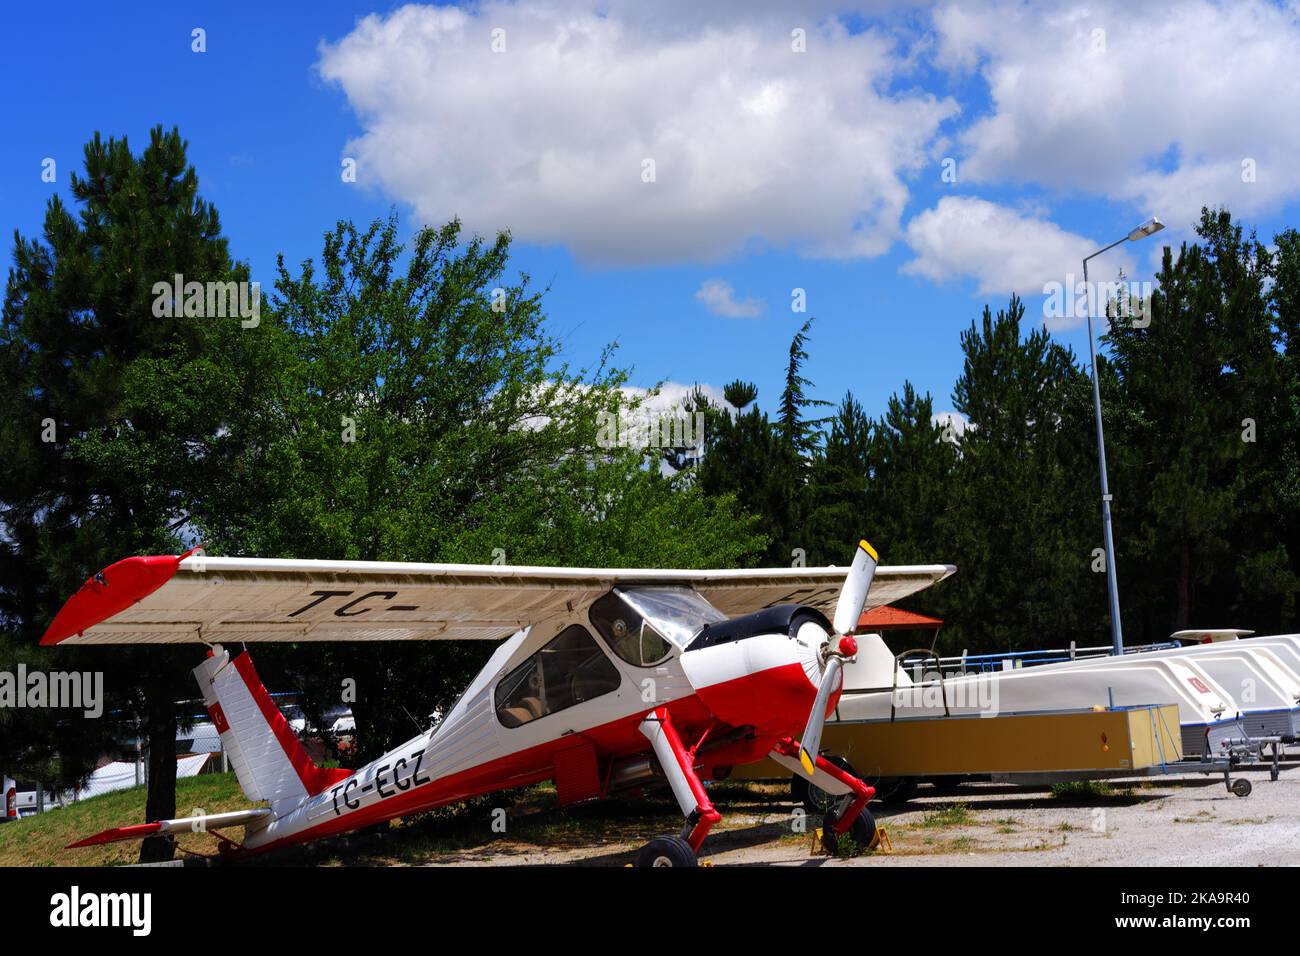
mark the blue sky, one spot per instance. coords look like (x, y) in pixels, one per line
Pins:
(776, 168)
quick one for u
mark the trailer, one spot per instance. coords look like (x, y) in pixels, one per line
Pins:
(1026, 749)
(878, 687)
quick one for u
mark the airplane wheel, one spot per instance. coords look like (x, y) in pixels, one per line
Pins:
(813, 797)
(666, 851)
(863, 832)
(1241, 787)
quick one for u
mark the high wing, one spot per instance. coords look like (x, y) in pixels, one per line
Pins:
(192, 598)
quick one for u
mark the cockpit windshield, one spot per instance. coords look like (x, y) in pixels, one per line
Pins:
(641, 625)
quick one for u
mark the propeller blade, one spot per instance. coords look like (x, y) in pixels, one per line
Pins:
(853, 596)
(812, 734)
(848, 610)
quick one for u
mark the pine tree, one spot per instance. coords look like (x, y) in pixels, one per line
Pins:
(1021, 531)
(798, 432)
(1204, 433)
(115, 410)
(840, 486)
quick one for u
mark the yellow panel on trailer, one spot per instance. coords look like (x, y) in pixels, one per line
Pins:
(1121, 740)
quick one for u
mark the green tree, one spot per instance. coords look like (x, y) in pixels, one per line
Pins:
(840, 503)
(799, 432)
(912, 482)
(1284, 305)
(115, 411)
(1203, 429)
(421, 412)
(746, 458)
(1020, 529)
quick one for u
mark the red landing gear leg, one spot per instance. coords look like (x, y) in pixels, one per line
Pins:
(678, 766)
(862, 793)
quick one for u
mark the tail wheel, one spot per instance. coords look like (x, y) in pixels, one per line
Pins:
(813, 797)
(666, 851)
(863, 832)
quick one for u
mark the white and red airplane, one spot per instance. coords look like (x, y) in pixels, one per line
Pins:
(608, 680)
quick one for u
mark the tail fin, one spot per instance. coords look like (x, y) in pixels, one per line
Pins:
(268, 758)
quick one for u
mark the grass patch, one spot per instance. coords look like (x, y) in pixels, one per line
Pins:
(1082, 790)
(40, 840)
(953, 815)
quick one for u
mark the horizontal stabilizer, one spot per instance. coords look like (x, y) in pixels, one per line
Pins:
(199, 824)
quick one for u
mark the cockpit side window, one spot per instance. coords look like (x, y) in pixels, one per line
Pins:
(568, 670)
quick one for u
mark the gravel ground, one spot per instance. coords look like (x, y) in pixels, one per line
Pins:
(1184, 821)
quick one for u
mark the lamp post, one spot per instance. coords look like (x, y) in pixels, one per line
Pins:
(1150, 227)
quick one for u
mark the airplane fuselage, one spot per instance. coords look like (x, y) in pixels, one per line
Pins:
(733, 699)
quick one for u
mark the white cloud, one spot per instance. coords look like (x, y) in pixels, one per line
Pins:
(958, 422)
(1004, 250)
(671, 396)
(1157, 104)
(953, 424)
(753, 144)
(720, 298)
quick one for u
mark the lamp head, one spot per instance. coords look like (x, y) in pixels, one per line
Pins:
(1150, 227)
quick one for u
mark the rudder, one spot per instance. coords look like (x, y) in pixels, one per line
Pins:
(265, 753)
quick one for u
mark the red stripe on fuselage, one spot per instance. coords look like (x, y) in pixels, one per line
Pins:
(616, 738)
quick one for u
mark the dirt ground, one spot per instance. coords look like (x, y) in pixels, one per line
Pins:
(1183, 821)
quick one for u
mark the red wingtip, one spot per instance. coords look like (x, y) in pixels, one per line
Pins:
(111, 592)
(116, 834)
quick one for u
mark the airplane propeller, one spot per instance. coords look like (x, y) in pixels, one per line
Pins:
(842, 645)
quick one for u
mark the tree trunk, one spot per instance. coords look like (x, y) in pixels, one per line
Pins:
(160, 800)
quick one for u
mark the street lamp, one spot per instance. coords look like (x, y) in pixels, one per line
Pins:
(1150, 227)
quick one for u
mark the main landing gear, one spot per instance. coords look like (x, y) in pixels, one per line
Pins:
(849, 814)
(678, 765)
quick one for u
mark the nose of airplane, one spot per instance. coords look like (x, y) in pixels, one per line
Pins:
(767, 681)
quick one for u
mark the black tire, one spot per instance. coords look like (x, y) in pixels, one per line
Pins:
(896, 790)
(666, 851)
(863, 832)
(813, 798)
